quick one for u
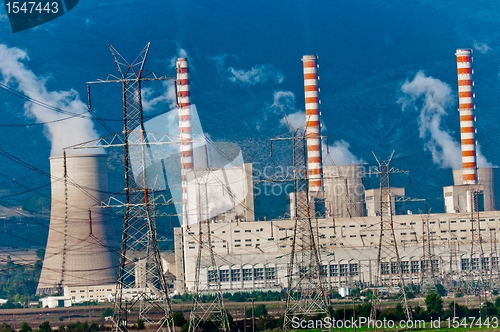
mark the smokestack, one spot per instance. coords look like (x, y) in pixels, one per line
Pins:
(466, 108)
(313, 135)
(77, 252)
(185, 134)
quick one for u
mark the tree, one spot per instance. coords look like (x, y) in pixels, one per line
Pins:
(45, 327)
(434, 304)
(25, 327)
(179, 319)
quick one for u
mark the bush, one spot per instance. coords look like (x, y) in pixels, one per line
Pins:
(107, 312)
(259, 311)
(25, 327)
(6, 328)
(45, 327)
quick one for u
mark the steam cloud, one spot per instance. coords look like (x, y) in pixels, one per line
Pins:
(73, 130)
(431, 98)
(149, 98)
(339, 154)
(257, 74)
(336, 154)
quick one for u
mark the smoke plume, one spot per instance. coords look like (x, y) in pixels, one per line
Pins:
(77, 127)
(339, 154)
(431, 98)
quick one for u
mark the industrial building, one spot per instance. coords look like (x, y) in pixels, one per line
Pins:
(216, 192)
(450, 247)
(255, 255)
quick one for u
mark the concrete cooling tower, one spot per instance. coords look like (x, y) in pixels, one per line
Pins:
(77, 252)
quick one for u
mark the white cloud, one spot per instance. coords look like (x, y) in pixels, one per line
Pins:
(284, 105)
(481, 47)
(294, 121)
(150, 100)
(257, 74)
(339, 154)
(431, 97)
(62, 134)
(283, 101)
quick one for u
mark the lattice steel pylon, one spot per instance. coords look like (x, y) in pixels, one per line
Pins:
(428, 280)
(477, 267)
(388, 254)
(212, 310)
(140, 270)
(306, 294)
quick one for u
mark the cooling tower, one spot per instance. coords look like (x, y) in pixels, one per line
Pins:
(77, 252)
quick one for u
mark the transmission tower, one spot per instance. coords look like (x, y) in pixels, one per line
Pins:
(306, 294)
(213, 309)
(388, 254)
(140, 270)
(428, 268)
(476, 283)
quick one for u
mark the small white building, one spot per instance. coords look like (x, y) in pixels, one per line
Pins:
(98, 293)
(56, 302)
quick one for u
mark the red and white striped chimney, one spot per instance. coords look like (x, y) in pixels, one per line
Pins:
(313, 134)
(467, 120)
(185, 134)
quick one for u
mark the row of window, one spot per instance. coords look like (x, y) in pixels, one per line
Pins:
(340, 270)
(387, 268)
(473, 264)
(246, 274)
(91, 290)
(454, 221)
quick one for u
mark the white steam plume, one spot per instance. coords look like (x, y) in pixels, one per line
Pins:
(336, 154)
(339, 154)
(431, 98)
(76, 129)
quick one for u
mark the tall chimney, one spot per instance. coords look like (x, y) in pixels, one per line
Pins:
(185, 134)
(313, 134)
(467, 120)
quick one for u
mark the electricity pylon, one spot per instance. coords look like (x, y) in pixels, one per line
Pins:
(388, 252)
(211, 310)
(141, 282)
(306, 294)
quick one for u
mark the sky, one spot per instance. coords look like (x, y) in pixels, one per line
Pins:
(387, 78)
